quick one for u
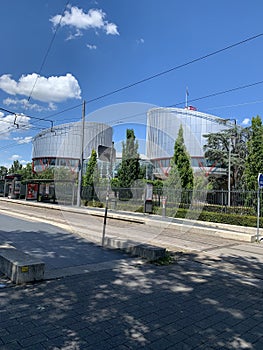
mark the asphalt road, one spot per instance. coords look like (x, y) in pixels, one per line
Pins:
(90, 227)
(85, 230)
(59, 249)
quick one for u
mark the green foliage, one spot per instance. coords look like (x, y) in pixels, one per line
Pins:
(157, 186)
(231, 142)
(115, 185)
(26, 172)
(15, 168)
(94, 204)
(231, 219)
(173, 181)
(129, 169)
(254, 160)
(3, 171)
(142, 172)
(201, 182)
(239, 210)
(64, 173)
(91, 171)
(181, 173)
(216, 217)
(91, 176)
(46, 174)
(168, 259)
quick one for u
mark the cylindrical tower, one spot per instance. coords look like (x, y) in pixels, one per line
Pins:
(61, 145)
(162, 130)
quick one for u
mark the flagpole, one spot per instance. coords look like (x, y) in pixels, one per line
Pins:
(186, 97)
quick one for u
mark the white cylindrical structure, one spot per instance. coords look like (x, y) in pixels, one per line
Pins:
(60, 145)
(163, 125)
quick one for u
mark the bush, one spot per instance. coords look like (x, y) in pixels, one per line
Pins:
(223, 218)
(241, 210)
(94, 204)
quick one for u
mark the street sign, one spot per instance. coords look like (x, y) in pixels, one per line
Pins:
(260, 180)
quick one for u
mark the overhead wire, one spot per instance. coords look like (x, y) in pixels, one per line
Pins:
(47, 52)
(141, 114)
(150, 77)
(125, 87)
(26, 115)
(175, 68)
(195, 99)
(220, 93)
(235, 105)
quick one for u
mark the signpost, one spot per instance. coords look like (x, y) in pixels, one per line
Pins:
(110, 159)
(148, 204)
(260, 185)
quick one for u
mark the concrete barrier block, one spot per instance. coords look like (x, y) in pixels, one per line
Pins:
(19, 266)
(146, 251)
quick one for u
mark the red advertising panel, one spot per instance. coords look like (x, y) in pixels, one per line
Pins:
(32, 190)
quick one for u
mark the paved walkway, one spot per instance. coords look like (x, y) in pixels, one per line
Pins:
(186, 305)
(209, 298)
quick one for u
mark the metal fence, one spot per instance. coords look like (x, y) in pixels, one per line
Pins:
(133, 199)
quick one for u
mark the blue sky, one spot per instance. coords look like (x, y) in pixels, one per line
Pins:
(101, 46)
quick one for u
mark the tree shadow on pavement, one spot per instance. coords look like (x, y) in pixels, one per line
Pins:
(57, 248)
(190, 304)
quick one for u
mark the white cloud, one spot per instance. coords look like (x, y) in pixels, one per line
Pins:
(94, 19)
(140, 41)
(51, 89)
(21, 140)
(26, 105)
(111, 29)
(75, 35)
(91, 47)
(246, 121)
(15, 157)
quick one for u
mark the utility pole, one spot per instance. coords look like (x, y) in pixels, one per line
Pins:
(81, 153)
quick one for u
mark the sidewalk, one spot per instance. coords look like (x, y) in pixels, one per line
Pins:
(209, 298)
(186, 305)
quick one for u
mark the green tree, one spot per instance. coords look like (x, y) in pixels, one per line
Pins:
(129, 169)
(115, 185)
(64, 174)
(26, 172)
(47, 174)
(181, 169)
(254, 159)
(223, 147)
(3, 171)
(15, 167)
(91, 177)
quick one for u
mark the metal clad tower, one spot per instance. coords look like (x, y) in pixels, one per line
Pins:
(60, 145)
(162, 130)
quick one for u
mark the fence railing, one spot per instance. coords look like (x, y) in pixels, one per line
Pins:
(241, 202)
